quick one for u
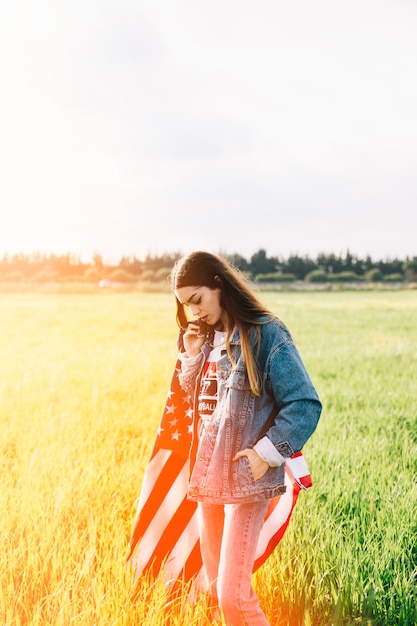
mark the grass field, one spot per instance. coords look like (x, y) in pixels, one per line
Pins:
(82, 386)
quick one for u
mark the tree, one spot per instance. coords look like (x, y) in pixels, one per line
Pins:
(410, 267)
(374, 275)
(260, 264)
(237, 261)
(299, 266)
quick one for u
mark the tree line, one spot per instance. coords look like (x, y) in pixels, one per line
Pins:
(260, 267)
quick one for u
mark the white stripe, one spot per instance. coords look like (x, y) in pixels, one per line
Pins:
(297, 468)
(277, 518)
(170, 503)
(182, 550)
(152, 471)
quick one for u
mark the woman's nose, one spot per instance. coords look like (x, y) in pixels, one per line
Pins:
(194, 310)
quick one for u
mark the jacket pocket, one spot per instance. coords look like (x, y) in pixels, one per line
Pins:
(239, 397)
(243, 475)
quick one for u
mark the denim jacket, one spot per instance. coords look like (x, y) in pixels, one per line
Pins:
(287, 412)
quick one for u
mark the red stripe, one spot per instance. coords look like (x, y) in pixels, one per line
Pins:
(276, 538)
(194, 562)
(306, 481)
(192, 565)
(166, 478)
(169, 537)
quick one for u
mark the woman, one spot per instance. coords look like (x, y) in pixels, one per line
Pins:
(254, 405)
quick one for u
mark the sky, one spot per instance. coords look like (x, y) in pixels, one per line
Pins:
(137, 127)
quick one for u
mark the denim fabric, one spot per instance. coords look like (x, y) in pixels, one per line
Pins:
(287, 412)
(228, 539)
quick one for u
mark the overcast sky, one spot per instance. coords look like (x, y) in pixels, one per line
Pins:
(135, 127)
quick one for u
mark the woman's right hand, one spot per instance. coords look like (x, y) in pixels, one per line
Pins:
(193, 339)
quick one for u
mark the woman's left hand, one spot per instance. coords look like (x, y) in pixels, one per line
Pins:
(258, 466)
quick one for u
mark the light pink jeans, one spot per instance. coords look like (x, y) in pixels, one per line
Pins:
(228, 538)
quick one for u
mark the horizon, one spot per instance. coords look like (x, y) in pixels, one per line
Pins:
(31, 256)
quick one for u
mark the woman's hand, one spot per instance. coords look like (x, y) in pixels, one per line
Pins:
(193, 339)
(258, 466)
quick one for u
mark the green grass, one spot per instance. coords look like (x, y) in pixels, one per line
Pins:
(83, 380)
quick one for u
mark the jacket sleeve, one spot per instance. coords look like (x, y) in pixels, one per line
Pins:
(297, 401)
(190, 368)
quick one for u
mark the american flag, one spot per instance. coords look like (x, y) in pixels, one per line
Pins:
(165, 537)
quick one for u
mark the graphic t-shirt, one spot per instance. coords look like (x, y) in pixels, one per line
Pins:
(207, 397)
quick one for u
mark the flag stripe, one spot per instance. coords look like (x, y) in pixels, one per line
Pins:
(194, 563)
(298, 469)
(276, 524)
(153, 469)
(184, 559)
(160, 475)
(272, 544)
(172, 532)
(165, 505)
(278, 512)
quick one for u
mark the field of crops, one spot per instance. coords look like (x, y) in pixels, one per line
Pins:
(82, 385)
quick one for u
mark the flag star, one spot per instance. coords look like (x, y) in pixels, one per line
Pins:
(189, 413)
(173, 422)
(190, 429)
(160, 431)
(170, 408)
(176, 435)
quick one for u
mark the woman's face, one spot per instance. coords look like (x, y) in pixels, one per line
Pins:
(203, 303)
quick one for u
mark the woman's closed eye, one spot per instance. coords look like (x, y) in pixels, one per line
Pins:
(195, 302)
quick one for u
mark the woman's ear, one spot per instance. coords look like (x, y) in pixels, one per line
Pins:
(218, 281)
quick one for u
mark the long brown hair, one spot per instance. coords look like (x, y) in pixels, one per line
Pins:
(243, 308)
